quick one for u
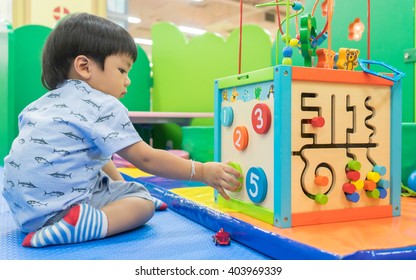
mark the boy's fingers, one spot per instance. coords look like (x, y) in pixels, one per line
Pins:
(231, 170)
(223, 193)
(233, 184)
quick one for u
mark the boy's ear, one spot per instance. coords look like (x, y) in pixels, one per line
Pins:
(82, 66)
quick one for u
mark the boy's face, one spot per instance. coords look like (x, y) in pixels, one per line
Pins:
(113, 80)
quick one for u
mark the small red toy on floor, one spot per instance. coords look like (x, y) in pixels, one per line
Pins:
(221, 238)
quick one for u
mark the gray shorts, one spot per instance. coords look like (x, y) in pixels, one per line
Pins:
(107, 191)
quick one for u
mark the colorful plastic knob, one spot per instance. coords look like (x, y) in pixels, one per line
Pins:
(240, 138)
(227, 116)
(237, 167)
(359, 184)
(256, 182)
(353, 175)
(348, 188)
(383, 183)
(354, 197)
(373, 176)
(321, 198)
(317, 121)
(373, 194)
(369, 185)
(321, 181)
(383, 192)
(261, 118)
(380, 169)
(354, 165)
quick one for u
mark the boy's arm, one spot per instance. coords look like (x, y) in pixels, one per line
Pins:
(164, 164)
(111, 170)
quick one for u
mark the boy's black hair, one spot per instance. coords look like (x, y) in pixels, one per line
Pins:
(82, 34)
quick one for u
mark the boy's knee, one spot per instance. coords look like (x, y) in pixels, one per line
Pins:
(151, 206)
(148, 207)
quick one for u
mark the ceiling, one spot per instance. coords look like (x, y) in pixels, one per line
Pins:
(217, 16)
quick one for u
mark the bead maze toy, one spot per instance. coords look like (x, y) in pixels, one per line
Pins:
(315, 144)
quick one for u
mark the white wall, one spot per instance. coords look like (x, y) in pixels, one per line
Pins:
(6, 10)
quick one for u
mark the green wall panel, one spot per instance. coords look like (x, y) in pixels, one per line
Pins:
(29, 41)
(138, 93)
(7, 103)
(184, 71)
(392, 31)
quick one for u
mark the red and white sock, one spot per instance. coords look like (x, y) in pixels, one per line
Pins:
(159, 204)
(81, 223)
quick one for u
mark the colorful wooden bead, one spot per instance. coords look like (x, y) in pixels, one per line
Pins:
(373, 176)
(354, 165)
(321, 198)
(354, 197)
(348, 188)
(353, 175)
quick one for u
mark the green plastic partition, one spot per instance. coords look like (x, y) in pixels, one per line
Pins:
(184, 70)
(29, 41)
(138, 95)
(408, 150)
(7, 103)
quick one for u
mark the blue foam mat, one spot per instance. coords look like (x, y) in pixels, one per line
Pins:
(167, 236)
(183, 232)
(268, 243)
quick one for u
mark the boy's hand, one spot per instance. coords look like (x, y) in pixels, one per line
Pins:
(221, 177)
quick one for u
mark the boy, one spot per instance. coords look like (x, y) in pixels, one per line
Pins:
(60, 182)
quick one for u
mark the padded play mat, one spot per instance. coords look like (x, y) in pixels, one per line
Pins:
(185, 231)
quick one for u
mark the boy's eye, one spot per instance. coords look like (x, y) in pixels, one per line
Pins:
(122, 71)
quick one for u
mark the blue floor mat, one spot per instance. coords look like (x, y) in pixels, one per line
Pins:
(167, 236)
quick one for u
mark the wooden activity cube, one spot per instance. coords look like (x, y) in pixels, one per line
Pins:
(314, 145)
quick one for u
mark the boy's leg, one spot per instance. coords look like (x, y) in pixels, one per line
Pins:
(81, 223)
(108, 191)
(128, 213)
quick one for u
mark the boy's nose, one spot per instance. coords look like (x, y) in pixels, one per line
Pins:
(127, 82)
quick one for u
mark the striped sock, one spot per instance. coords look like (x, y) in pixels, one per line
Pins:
(81, 223)
(159, 204)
